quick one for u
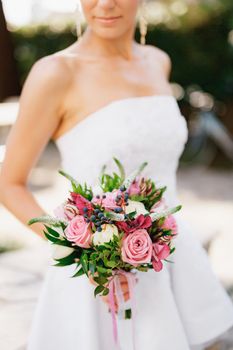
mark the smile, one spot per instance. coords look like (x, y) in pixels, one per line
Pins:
(108, 20)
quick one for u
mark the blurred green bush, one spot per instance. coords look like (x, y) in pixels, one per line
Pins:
(201, 50)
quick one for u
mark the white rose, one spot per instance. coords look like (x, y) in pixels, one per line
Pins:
(135, 206)
(60, 251)
(106, 235)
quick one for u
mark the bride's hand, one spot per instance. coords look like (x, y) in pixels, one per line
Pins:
(124, 288)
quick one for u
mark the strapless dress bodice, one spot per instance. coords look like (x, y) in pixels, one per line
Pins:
(134, 130)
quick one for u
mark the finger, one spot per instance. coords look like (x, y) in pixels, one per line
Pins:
(92, 280)
(126, 296)
(122, 278)
(106, 301)
(124, 288)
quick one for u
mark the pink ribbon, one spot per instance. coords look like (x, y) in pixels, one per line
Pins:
(114, 285)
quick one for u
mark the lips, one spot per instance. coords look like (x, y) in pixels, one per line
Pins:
(107, 18)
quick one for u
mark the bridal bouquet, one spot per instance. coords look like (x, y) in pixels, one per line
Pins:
(123, 228)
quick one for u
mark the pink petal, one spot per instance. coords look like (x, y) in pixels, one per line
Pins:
(157, 265)
(164, 252)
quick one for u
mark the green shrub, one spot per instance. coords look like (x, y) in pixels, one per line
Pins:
(201, 54)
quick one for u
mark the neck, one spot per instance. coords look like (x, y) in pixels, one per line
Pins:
(123, 46)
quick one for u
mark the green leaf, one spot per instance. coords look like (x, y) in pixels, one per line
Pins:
(94, 256)
(128, 314)
(142, 268)
(106, 291)
(108, 245)
(68, 260)
(84, 262)
(64, 243)
(115, 216)
(51, 238)
(131, 214)
(80, 272)
(169, 261)
(136, 197)
(121, 169)
(103, 170)
(92, 267)
(103, 270)
(52, 232)
(115, 255)
(77, 187)
(111, 264)
(69, 177)
(172, 250)
(98, 290)
(161, 221)
(46, 219)
(166, 212)
(166, 233)
(100, 279)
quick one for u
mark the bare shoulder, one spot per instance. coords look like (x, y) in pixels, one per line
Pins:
(162, 57)
(49, 71)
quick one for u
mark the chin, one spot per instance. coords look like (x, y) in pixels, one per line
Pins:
(109, 34)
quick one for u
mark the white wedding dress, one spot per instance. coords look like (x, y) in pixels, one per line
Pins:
(182, 307)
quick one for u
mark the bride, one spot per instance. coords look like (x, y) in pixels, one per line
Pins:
(104, 96)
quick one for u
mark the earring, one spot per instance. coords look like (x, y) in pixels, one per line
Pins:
(78, 23)
(143, 23)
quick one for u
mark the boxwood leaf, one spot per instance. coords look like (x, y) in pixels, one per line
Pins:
(84, 262)
(98, 290)
(106, 291)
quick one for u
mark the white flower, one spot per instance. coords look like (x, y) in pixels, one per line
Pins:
(60, 251)
(135, 206)
(106, 235)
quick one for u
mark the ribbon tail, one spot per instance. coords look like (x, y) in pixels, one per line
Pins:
(115, 284)
(119, 295)
(113, 310)
(131, 283)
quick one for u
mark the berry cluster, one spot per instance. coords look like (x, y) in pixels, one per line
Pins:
(98, 217)
(122, 199)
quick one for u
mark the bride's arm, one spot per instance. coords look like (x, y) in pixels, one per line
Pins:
(39, 114)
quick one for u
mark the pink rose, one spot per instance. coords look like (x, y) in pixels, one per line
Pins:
(137, 248)
(170, 224)
(79, 232)
(81, 203)
(160, 251)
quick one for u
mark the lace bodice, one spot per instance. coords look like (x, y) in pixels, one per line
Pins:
(134, 130)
